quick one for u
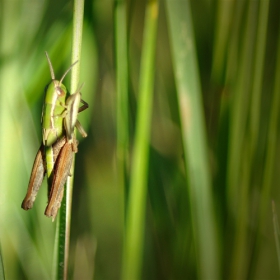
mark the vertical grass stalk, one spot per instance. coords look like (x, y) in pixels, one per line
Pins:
(194, 138)
(271, 146)
(276, 232)
(135, 223)
(2, 272)
(122, 92)
(222, 34)
(258, 73)
(240, 154)
(64, 221)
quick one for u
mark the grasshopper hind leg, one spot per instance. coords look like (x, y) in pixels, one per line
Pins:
(36, 178)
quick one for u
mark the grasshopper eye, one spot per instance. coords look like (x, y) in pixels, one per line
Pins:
(60, 91)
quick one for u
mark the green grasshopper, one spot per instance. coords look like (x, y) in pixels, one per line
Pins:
(55, 155)
(58, 104)
(64, 161)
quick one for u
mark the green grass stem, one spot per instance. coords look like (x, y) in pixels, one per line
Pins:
(135, 225)
(240, 155)
(64, 220)
(194, 138)
(2, 271)
(271, 146)
(122, 93)
(276, 232)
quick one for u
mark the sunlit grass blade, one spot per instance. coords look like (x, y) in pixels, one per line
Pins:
(135, 223)
(194, 138)
(78, 20)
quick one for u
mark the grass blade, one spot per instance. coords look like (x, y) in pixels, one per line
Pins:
(194, 137)
(122, 92)
(271, 148)
(134, 231)
(242, 246)
(2, 272)
(258, 73)
(64, 221)
(238, 177)
(276, 232)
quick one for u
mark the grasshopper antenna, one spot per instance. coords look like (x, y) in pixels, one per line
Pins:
(67, 71)
(79, 88)
(50, 65)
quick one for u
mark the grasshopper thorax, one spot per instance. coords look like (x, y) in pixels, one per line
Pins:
(54, 106)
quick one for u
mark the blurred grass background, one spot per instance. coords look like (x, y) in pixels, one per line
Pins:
(182, 143)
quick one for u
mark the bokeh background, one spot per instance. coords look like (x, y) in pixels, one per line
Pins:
(237, 51)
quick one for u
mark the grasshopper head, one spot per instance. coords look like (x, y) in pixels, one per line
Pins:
(55, 92)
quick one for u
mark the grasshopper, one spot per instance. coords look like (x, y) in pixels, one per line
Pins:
(55, 154)
(52, 116)
(58, 104)
(64, 162)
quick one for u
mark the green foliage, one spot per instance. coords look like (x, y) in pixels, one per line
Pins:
(176, 176)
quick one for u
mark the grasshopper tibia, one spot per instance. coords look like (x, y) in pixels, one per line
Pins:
(61, 172)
